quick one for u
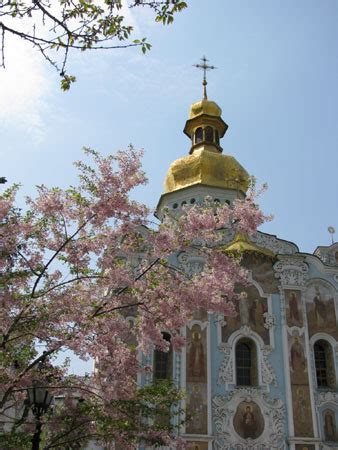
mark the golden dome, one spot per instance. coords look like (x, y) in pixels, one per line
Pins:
(205, 107)
(207, 168)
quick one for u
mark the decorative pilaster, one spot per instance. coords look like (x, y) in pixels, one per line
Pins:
(293, 273)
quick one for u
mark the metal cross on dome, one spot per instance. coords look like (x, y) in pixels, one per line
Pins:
(204, 67)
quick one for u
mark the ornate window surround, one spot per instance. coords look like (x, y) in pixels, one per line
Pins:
(334, 348)
(227, 370)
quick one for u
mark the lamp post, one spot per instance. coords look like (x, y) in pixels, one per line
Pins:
(40, 400)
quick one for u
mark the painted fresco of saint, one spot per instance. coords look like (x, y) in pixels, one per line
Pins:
(197, 408)
(329, 426)
(320, 308)
(248, 420)
(248, 423)
(244, 311)
(250, 311)
(260, 309)
(298, 360)
(196, 357)
(293, 308)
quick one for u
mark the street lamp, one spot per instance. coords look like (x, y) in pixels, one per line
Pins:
(40, 400)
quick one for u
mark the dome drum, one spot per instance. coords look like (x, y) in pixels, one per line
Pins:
(216, 123)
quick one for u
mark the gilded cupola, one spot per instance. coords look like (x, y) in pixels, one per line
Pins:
(206, 167)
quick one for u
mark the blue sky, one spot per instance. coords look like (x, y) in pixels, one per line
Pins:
(276, 83)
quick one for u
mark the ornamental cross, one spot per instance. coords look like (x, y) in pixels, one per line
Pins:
(204, 67)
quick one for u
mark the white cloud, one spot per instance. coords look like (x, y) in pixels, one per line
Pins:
(24, 88)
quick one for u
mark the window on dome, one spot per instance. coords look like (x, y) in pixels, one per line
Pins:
(325, 372)
(246, 363)
(198, 135)
(163, 361)
(209, 134)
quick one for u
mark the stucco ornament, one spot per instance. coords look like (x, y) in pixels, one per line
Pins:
(269, 320)
(328, 254)
(178, 365)
(226, 373)
(292, 271)
(322, 398)
(226, 370)
(226, 236)
(273, 243)
(271, 409)
(191, 263)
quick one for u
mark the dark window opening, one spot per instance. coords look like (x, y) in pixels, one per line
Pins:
(320, 349)
(198, 135)
(246, 364)
(163, 362)
(209, 134)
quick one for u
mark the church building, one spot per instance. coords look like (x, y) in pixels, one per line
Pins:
(266, 379)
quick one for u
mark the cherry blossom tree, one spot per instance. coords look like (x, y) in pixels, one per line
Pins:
(84, 269)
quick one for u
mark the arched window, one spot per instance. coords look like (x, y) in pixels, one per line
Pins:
(198, 135)
(246, 363)
(163, 362)
(324, 365)
(208, 134)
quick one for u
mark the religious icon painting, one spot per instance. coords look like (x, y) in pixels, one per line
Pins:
(297, 359)
(293, 308)
(302, 411)
(250, 312)
(329, 421)
(320, 309)
(248, 420)
(196, 354)
(197, 408)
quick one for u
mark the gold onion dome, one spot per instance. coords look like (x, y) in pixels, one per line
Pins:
(208, 168)
(205, 107)
(206, 164)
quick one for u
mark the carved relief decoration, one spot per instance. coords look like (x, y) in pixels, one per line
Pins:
(269, 320)
(273, 243)
(329, 255)
(321, 398)
(261, 417)
(226, 236)
(191, 263)
(291, 271)
(226, 373)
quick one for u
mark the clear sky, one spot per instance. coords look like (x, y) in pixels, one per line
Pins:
(276, 83)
